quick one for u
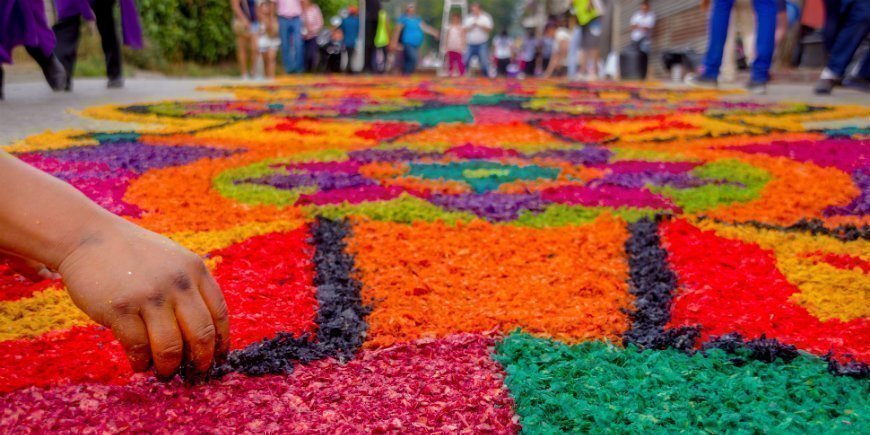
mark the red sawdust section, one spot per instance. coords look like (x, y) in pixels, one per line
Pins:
(268, 282)
(431, 279)
(732, 286)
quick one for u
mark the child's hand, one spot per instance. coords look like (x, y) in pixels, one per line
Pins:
(157, 297)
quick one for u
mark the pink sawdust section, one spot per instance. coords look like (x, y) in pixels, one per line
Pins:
(97, 181)
(268, 283)
(607, 196)
(443, 386)
(845, 154)
(732, 286)
(351, 195)
(500, 115)
(469, 151)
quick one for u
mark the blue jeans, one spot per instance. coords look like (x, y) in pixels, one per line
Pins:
(410, 59)
(290, 32)
(765, 13)
(482, 53)
(846, 24)
(574, 50)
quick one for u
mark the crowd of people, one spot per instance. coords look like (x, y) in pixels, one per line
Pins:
(55, 48)
(568, 44)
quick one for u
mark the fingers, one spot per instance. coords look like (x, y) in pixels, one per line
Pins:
(217, 306)
(197, 329)
(167, 347)
(131, 332)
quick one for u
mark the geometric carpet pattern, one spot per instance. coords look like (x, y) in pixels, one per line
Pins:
(425, 255)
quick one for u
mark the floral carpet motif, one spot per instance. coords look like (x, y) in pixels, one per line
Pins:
(419, 255)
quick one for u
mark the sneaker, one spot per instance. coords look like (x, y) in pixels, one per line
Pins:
(757, 88)
(115, 83)
(703, 82)
(858, 84)
(825, 86)
(55, 74)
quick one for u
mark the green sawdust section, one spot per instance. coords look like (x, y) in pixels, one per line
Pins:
(597, 387)
(742, 183)
(425, 116)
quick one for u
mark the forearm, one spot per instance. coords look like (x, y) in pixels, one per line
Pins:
(43, 218)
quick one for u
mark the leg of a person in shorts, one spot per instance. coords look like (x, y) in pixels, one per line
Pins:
(574, 50)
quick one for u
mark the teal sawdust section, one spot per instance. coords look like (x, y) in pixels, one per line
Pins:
(732, 181)
(597, 387)
(481, 175)
(425, 116)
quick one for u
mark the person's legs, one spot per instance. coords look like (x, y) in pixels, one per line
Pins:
(370, 49)
(410, 61)
(104, 11)
(470, 52)
(67, 32)
(502, 65)
(765, 14)
(287, 59)
(855, 21)
(297, 43)
(52, 69)
(833, 23)
(718, 32)
(483, 56)
(573, 50)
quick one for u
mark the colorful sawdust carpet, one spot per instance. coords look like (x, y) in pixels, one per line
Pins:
(486, 256)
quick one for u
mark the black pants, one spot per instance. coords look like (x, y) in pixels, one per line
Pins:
(371, 28)
(501, 66)
(351, 51)
(44, 62)
(68, 33)
(312, 54)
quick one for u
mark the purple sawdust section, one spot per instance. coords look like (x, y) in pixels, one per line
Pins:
(469, 151)
(449, 385)
(607, 196)
(637, 180)
(351, 195)
(97, 181)
(135, 156)
(349, 166)
(846, 154)
(634, 166)
(583, 156)
(493, 206)
(323, 180)
(393, 155)
(861, 205)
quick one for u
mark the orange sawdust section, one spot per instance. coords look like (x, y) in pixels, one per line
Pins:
(432, 279)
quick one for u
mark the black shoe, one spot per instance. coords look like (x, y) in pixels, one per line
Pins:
(703, 82)
(825, 86)
(55, 74)
(757, 88)
(115, 83)
(858, 84)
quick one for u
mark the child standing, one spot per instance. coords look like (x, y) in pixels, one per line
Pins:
(502, 47)
(455, 46)
(268, 40)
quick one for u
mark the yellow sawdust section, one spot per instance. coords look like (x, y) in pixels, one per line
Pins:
(203, 242)
(826, 292)
(152, 122)
(633, 131)
(283, 137)
(45, 311)
(52, 140)
(795, 121)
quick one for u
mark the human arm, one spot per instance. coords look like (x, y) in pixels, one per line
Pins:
(430, 30)
(157, 297)
(239, 13)
(394, 44)
(705, 5)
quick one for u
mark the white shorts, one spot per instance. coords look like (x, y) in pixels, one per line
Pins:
(268, 44)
